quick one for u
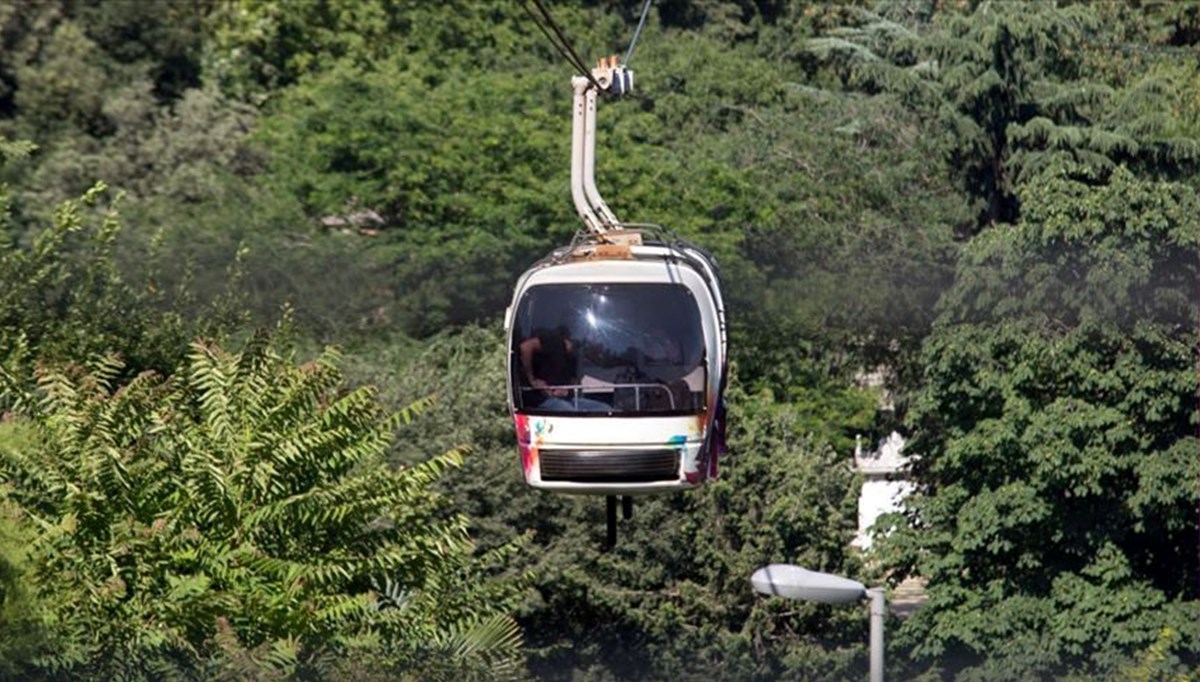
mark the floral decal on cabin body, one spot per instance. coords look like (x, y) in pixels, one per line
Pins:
(530, 434)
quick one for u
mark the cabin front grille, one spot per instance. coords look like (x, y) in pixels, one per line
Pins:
(609, 466)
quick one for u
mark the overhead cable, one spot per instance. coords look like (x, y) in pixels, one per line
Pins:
(553, 41)
(558, 32)
(637, 32)
(574, 57)
(546, 32)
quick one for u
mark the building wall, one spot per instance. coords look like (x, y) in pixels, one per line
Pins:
(884, 482)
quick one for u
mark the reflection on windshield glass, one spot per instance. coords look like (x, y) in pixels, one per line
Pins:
(629, 348)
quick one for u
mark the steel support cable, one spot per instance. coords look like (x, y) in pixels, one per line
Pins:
(637, 32)
(574, 59)
(549, 37)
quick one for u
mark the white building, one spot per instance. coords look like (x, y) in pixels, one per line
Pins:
(885, 483)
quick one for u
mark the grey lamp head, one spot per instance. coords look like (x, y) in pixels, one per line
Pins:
(793, 582)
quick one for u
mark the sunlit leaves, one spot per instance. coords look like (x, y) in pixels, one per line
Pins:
(1056, 435)
(244, 490)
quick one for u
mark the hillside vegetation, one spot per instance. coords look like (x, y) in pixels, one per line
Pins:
(254, 260)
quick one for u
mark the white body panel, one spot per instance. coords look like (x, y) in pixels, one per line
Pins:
(538, 435)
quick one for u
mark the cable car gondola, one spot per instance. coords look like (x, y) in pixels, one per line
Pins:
(617, 348)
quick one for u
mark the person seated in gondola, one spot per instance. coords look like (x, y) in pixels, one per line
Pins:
(550, 365)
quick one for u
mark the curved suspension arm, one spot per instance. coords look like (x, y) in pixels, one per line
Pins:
(579, 144)
(589, 165)
(596, 215)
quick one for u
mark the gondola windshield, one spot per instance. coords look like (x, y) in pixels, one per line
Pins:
(629, 349)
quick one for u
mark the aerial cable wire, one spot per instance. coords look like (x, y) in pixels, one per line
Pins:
(558, 32)
(637, 32)
(546, 32)
(562, 51)
(574, 57)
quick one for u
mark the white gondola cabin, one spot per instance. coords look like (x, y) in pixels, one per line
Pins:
(617, 361)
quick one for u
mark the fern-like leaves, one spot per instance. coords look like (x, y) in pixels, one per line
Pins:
(240, 513)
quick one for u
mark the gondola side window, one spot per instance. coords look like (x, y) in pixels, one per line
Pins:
(609, 349)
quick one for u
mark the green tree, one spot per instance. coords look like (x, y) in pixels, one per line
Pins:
(457, 175)
(257, 49)
(1005, 84)
(65, 299)
(180, 155)
(165, 41)
(242, 507)
(65, 88)
(89, 81)
(1055, 438)
(23, 31)
(21, 609)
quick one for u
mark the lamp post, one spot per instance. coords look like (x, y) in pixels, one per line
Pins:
(793, 582)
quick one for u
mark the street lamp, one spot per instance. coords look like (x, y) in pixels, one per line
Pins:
(793, 582)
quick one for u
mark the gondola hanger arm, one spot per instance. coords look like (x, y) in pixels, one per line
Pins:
(610, 77)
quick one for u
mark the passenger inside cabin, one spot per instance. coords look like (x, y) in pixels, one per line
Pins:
(550, 365)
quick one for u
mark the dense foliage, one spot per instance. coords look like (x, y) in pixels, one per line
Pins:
(237, 509)
(1057, 433)
(989, 204)
(233, 517)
